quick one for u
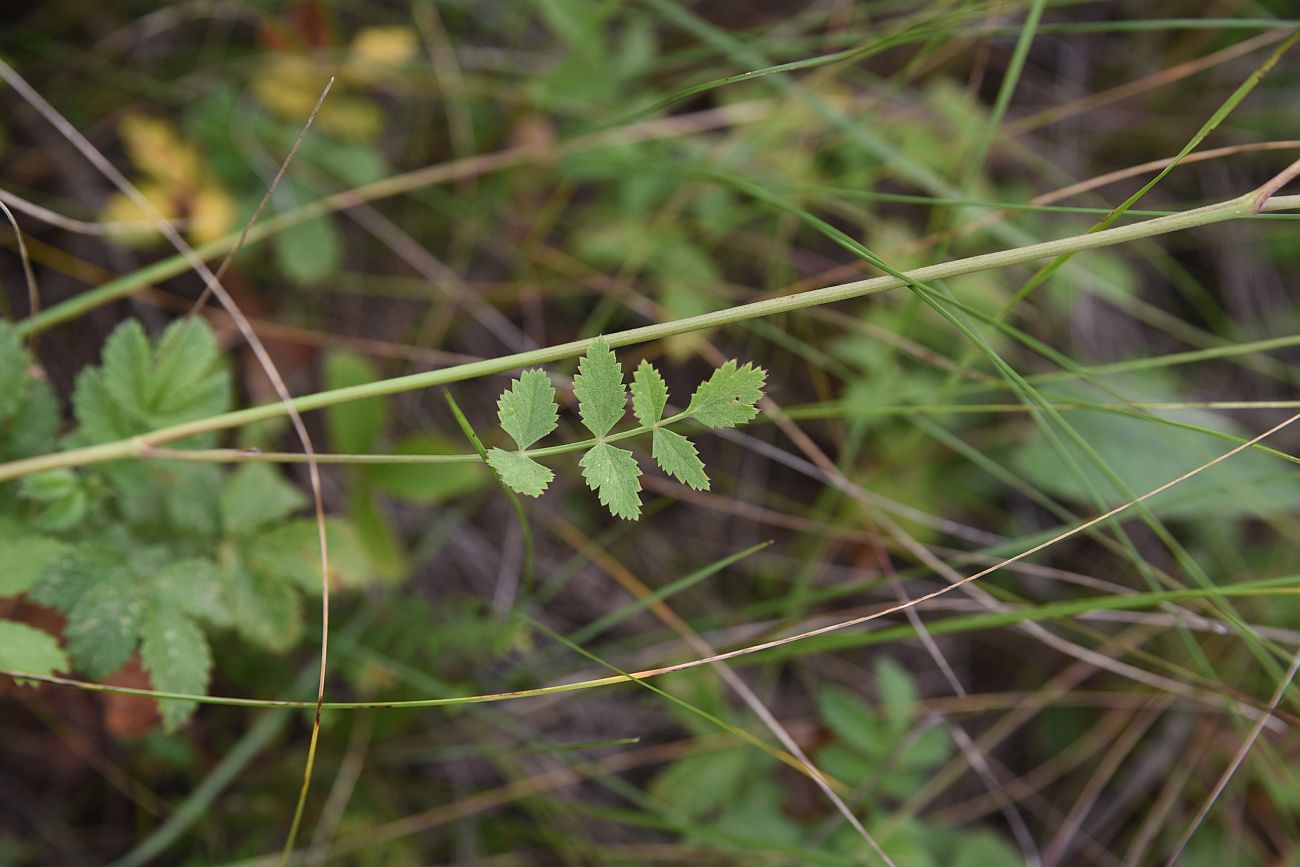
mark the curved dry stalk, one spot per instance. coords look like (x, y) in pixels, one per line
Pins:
(33, 292)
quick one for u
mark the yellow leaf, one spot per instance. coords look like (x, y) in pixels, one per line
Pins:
(129, 223)
(290, 86)
(378, 50)
(158, 151)
(212, 214)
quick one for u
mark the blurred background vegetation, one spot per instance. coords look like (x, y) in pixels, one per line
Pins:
(593, 166)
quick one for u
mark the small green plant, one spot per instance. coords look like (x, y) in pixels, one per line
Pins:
(149, 556)
(528, 412)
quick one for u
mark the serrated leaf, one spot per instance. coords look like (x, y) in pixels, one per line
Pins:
(13, 371)
(598, 385)
(519, 472)
(649, 394)
(24, 558)
(290, 553)
(676, 456)
(615, 477)
(192, 587)
(527, 409)
(34, 424)
(104, 624)
(175, 652)
(267, 611)
(256, 495)
(425, 483)
(72, 573)
(26, 648)
(727, 398)
(138, 388)
(354, 426)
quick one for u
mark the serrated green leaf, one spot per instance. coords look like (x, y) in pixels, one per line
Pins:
(256, 495)
(104, 624)
(699, 785)
(193, 587)
(649, 394)
(13, 371)
(615, 477)
(182, 366)
(598, 385)
(354, 426)
(727, 398)
(62, 501)
(676, 456)
(34, 424)
(26, 648)
(67, 578)
(24, 559)
(290, 552)
(267, 611)
(175, 652)
(425, 483)
(527, 409)
(519, 472)
(138, 388)
(309, 252)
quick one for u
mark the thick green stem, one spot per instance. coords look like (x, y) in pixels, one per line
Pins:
(1232, 209)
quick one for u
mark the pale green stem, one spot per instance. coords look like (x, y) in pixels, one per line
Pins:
(1232, 209)
(238, 456)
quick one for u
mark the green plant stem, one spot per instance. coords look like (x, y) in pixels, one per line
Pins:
(1231, 209)
(236, 456)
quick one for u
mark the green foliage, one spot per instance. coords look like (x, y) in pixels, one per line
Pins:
(527, 408)
(615, 477)
(599, 388)
(175, 652)
(1147, 454)
(28, 649)
(140, 387)
(354, 427)
(727, 398)
(425, 483)
(13, 372)
(527, 412)
(879, 745)
(309, 252)
(146, 556)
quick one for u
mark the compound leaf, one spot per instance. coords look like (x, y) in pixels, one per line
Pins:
(615, 477)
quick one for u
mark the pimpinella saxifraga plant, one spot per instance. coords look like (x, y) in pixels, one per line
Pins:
(528, 412)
